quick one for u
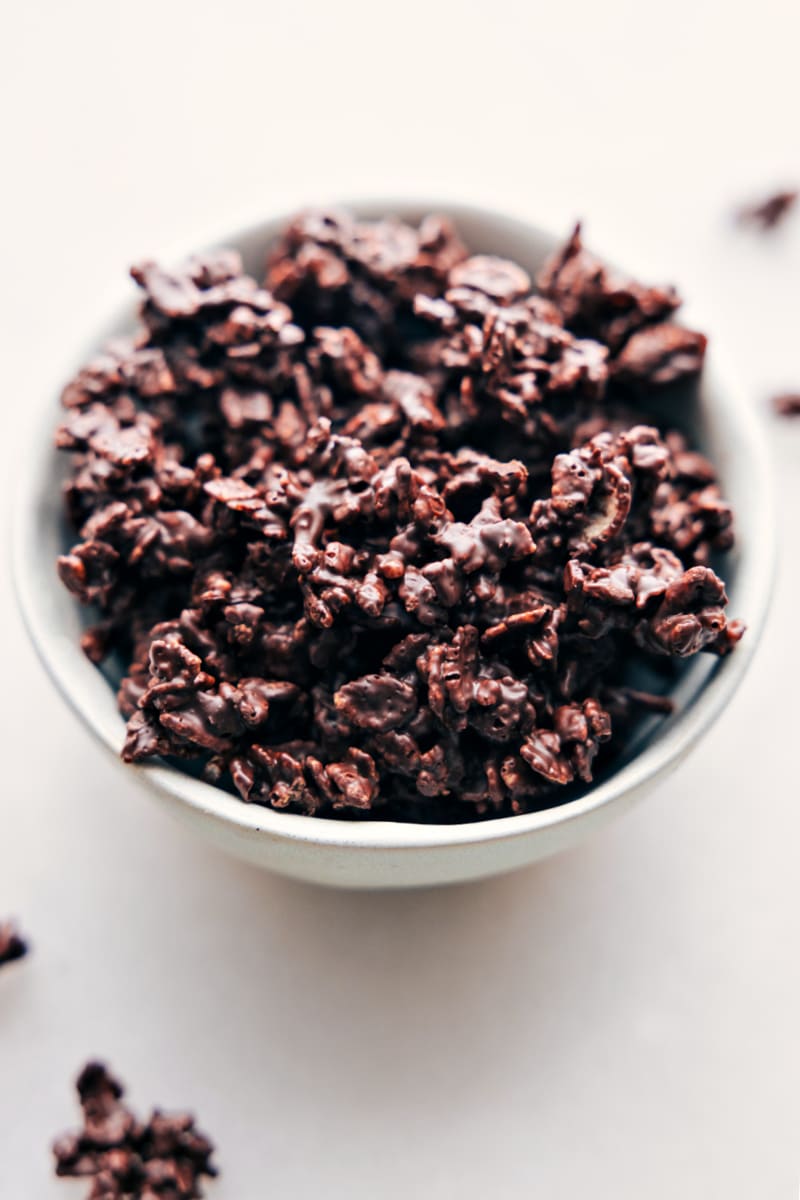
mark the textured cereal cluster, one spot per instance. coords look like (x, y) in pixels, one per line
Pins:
(124, 1158)
(385, 534)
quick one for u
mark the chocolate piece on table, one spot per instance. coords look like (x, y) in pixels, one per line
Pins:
(770, 212)
(12, 945)
(787, 404)
(124, 1157)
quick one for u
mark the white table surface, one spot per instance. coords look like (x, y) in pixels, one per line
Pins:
(619, 1022)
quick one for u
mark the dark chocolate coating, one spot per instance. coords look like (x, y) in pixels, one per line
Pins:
(385, 536)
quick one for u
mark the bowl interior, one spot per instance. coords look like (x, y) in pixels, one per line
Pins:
(718, 417)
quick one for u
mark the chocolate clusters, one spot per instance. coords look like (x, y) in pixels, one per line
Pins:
(163, 1158)
(386, 535)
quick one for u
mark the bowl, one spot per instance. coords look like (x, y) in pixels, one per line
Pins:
(373, 854)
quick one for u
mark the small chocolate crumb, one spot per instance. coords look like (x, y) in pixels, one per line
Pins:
(766, 214)
(162, 1158)
(12, 946)
(787, 404)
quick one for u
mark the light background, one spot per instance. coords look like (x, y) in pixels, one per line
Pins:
(620, 1022)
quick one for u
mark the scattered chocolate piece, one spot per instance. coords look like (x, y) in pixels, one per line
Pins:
(12, 946)
(163, 1158)
(387, 539)
(787, 404)
(770, 212)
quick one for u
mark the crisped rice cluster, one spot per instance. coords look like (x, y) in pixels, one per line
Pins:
(385, 534)
(122, 1157)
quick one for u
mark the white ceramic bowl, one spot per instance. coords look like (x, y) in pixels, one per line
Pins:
(389, 854)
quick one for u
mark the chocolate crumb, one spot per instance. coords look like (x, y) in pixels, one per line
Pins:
(128, 1159)
(768, 213)
(12, 945)
(390, 533)
(787, 404)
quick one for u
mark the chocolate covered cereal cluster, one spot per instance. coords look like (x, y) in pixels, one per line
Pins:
(124, 1158)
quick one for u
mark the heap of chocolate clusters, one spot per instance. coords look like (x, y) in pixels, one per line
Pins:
(384, 535)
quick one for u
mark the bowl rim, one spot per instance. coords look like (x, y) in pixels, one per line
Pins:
(79, 682)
